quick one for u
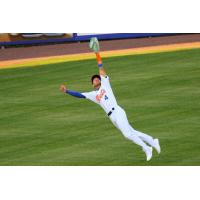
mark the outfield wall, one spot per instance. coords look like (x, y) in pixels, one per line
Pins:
(7, 39)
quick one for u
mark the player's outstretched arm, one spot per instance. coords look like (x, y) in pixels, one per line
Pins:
(102, 71)
(70, 92)
(94, 46)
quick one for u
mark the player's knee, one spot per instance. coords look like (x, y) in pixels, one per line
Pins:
(127, 135)
(126, 132)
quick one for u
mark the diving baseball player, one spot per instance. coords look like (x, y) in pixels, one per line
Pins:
(103, 96)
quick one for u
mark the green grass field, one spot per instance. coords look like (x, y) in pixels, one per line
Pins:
(160, 93)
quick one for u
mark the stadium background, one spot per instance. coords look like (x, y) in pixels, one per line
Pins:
(155, 78)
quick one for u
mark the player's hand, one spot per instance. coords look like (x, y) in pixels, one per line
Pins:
(63, 88)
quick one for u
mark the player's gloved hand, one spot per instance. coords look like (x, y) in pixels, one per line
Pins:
(94, 44)
(63, 88)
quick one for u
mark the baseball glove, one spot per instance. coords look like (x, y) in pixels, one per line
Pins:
(94, 44)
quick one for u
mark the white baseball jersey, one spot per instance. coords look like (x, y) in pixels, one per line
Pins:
(103, 96)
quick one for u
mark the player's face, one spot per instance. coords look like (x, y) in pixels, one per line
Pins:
(96, 83)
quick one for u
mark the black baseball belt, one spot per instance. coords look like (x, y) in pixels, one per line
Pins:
(110, 112)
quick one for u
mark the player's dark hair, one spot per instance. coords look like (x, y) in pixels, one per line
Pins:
(95, 76)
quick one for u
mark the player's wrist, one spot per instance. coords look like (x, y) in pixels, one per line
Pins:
(100, 65)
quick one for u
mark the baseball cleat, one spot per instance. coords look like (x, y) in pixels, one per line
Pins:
(148, 153)
(157, 146)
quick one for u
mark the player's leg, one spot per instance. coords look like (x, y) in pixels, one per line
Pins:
(146, 138)
(123, 125)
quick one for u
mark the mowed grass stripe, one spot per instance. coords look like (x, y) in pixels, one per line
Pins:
(41, 126)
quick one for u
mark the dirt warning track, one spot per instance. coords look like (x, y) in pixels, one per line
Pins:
(40, 55)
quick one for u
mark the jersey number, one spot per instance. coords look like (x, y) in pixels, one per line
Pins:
(105, 97)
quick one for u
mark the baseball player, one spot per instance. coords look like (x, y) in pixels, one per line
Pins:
(104, 97)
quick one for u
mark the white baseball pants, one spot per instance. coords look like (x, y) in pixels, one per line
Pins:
(119, 119)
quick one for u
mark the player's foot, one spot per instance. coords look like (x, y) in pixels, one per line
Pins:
(157, 145)
(148, 153)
